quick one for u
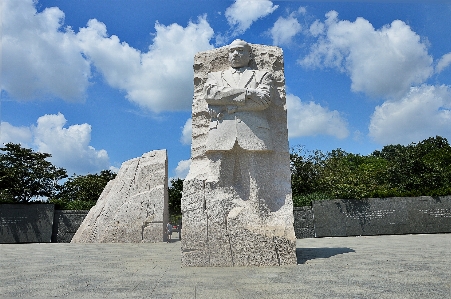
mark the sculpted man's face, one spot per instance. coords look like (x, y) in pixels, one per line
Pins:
(239, 54)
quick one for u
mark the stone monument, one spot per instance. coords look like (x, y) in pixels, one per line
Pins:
(237, 206)
(133, 208)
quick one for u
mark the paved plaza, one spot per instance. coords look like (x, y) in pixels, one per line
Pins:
(406, 266)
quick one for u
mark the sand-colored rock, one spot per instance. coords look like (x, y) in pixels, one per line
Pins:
(133, 208)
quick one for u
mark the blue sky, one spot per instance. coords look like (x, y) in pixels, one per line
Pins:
(95, 83)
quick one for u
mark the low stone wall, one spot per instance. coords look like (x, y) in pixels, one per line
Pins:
(66, 224)
(374, 216)
(29, 223)
(382, 216)
(303, 222)
(26, 223)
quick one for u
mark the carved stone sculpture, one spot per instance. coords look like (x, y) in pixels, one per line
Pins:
(237, 206)
(133, 208)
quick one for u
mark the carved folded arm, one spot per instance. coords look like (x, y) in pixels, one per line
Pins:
(223, 95)
(260, 97)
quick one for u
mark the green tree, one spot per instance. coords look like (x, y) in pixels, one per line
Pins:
(422, 168)
(26, 175)
(417, 169)
(347, 175)
(175, 199)
(80, 192)
(306, 170)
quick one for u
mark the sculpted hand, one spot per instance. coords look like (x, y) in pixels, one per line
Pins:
(254, 94)
(215, 113)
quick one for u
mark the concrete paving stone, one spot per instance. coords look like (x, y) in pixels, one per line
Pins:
(410, 266)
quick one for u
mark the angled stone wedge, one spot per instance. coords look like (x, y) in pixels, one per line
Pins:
(133, 208)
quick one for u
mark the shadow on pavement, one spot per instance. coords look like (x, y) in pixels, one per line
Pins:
(305, 254)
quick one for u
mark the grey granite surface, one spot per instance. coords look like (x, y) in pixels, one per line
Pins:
(401, 266)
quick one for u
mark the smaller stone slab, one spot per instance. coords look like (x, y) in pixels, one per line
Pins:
(26, 223)
(133, 208)
(66, 224)
(382, 216)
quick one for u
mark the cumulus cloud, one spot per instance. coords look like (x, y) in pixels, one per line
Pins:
(284, 30)
(69, 146)
(381, 63)
(310, 119)
(187, 132)
(10, 133)
(443, 63)
(317, 28)
(424, 112)
(160, 79)
(242, 13)
(40, 58)
(182, 169)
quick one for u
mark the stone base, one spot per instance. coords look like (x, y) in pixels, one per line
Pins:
(240, 248)
(223, 230)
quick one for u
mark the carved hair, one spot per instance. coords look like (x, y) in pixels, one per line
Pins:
(243, 43)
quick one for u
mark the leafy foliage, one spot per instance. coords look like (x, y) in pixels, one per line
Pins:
(80, 192)
(417, 169)
(175, 199)
(26, 175)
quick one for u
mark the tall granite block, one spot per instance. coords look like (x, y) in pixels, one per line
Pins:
(133, 207)
(382, 216)
(26, 223)
(237, 206)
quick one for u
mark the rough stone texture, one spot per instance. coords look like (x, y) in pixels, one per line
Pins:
(26, 223)
(66, 224)
(249, 224)
(133, 207)
(382, 216)
(303, 222)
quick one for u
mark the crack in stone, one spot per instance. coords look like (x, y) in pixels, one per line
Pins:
(204, 211)
(277, 250)
(148, 220)
(230, 241)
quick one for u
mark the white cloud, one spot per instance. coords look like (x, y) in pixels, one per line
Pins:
(182, 169)
(43, 59)
(69, 147)
(317, 28)
(424, 112)
(284, 30)
(443, 63)
(10, 133)
(381, 63)
(242, 13)
(302, 10)
(310, 119)
(187, 132)
(40, 58)
(160, 79)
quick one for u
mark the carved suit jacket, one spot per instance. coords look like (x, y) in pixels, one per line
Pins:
(237, 110)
